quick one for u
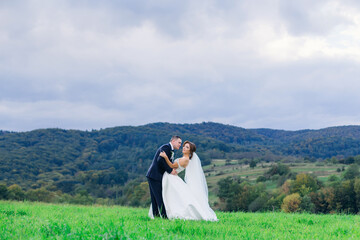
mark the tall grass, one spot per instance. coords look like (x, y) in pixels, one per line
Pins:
(49, 221)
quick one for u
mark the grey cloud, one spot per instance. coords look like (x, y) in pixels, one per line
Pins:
(166, 15)
(310, 17)
(91, 64)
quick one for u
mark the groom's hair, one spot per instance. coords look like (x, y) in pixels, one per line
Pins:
(174, 137)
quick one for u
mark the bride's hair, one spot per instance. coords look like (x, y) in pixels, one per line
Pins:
(192, 147)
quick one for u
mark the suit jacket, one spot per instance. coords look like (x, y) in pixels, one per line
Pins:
(159, 165)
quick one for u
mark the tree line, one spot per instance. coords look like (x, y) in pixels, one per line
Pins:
(296, 192)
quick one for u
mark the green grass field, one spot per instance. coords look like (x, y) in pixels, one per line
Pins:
(20, 220)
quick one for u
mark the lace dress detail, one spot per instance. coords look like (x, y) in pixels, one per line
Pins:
(180, 168)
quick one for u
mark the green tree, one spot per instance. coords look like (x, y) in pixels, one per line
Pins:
(345, 197)
(275, 202)
(352, 172)
(252, 163)
(238, 195)
(333, 178)
(40, 194)
(304, 184)
(357, 192)
(279, 168)
(261, 179)
(349, 160)
(291, 203)
(3, 191)
(226, 186)
(140, 195)
(324, 200)
(260, 203)
(306, 204)
(82, 199)
(357, 159)
(15, 193)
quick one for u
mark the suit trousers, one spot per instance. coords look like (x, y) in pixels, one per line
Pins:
(156, 198)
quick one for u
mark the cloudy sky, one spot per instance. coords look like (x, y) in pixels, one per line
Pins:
(256, 64)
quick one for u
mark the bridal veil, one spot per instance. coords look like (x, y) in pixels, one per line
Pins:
(195, 179)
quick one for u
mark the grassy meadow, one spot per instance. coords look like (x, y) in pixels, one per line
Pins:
(19, 220)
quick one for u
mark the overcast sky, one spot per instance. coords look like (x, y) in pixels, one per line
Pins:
(255, 64)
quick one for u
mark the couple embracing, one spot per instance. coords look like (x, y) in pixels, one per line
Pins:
(171, 197)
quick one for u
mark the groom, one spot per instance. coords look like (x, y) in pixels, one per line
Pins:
(156, 172)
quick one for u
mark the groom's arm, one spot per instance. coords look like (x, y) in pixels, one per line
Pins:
(162, 161)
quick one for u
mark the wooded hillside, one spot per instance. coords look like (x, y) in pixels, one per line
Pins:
(104, 162)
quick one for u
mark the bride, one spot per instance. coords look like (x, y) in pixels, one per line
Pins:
(189, 199)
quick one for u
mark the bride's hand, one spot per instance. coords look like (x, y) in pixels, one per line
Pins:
(174, 172)
(163, 154)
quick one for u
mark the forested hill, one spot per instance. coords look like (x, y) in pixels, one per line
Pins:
(66, 159)
(341, 141)
(324, 143)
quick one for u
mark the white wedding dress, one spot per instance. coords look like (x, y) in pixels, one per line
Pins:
(187, 200)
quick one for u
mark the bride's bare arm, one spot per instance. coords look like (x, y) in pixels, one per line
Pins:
(172, 165)
(184, 161)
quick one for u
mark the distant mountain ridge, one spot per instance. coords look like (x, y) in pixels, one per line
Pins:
(323, 143)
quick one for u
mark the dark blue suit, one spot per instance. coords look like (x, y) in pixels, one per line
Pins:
(154, 176)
